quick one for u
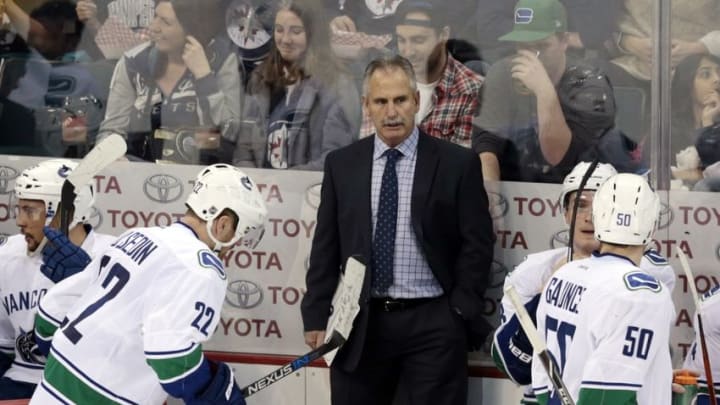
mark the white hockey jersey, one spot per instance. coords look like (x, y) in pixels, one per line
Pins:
(529, 278)
(607, 325)
(22, 285)
(710, 305)
(156, 296)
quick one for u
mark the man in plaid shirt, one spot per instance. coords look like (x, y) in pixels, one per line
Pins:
(449, 91)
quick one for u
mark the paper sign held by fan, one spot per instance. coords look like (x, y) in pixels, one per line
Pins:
(345, 303)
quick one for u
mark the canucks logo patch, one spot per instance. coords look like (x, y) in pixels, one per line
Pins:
(655, 258)
(638, 280)
(524, 15)
(211, 261)
(64, 171)
(711, 292)
(247, 183)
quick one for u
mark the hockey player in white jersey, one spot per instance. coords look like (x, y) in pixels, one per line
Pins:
(710, 304)
(148, 303)
(33, 261)
(511, 349)
(606, 322)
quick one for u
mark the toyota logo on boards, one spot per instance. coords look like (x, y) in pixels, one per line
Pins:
(163, 188)
(244, 294)
(560, 239)
(7, 174)
(498, 205)
(312, 195)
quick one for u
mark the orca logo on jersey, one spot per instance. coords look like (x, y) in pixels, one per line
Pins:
(211, 261)
(499, 205)
(638, 280)
(7, 174)
(3, 239)
(244, 294)
(28, 349)
(163, 188)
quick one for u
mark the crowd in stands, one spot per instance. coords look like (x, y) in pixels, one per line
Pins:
(532, 87)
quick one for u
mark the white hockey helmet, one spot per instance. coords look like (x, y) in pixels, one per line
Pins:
(219, 187)
(44, 182)
(625, 210)
(602, 172)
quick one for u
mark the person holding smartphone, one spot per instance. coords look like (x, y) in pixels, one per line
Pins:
(182, 84)
(520, 93)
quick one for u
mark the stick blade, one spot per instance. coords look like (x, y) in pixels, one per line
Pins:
(345, 303)
(101, 156)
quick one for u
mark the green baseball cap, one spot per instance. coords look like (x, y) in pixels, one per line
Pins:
(536, 20)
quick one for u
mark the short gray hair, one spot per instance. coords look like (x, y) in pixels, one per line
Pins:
(390, 62)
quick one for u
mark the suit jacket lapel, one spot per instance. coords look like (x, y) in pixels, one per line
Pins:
(425, 169)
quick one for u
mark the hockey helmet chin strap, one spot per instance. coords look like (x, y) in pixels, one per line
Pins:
(218, 245)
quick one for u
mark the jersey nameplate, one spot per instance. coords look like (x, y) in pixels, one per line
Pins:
(209, 260)
(638, 280)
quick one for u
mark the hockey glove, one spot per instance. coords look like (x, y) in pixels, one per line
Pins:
(61, 258)
(222, 389)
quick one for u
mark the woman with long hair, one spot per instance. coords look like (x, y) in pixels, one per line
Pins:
(695, 105)
(301, 105)
(178, 93)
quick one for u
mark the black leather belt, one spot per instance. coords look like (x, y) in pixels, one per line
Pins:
(398, 304)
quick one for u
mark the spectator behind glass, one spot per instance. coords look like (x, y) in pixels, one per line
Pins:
(57, 84)
(193, 80)
(590, 25)
(449, 91)
(696, 105)
(520, 93)
(363, 29)
(115, 26)
(695, 31)
(300, 104)
(17, 122)
(53, 32)
(708, 148)
(539, 116)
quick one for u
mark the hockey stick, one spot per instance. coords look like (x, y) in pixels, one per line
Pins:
(336, 340)
(346, 305)
(539, 346)
(701, 330)
(104, 153)
(576, 203)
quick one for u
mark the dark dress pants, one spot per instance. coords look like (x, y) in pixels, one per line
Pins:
(418, 355)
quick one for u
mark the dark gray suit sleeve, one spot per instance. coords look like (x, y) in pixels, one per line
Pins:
(324, 270)
(472, 267)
